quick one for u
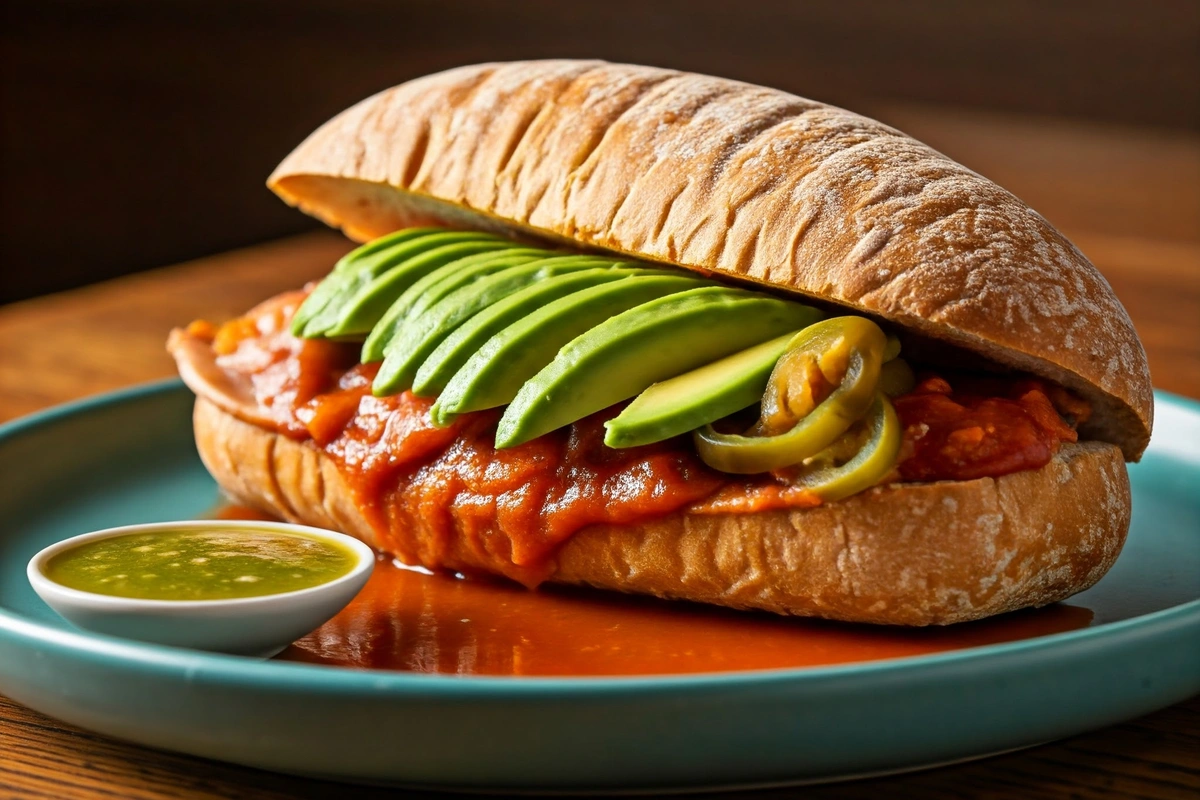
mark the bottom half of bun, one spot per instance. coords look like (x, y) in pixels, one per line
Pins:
(901, 554)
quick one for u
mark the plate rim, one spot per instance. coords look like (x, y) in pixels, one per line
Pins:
(227, 669)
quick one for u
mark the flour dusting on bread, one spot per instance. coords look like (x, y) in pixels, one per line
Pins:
(751, 182)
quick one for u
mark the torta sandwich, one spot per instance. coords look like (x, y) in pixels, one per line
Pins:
(669, 334)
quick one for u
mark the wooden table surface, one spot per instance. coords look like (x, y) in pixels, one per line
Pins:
(1130, 198)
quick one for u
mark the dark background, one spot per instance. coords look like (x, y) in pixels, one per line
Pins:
(138, 133)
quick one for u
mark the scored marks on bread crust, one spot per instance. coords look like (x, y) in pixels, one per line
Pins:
(750, 182)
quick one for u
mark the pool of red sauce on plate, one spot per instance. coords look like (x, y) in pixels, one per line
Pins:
(411, 621)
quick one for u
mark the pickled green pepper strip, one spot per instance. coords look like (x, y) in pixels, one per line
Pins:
(896, 378)
(857, 343)
(870, 464)
(893, 348)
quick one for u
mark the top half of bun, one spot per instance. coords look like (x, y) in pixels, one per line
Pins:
(740, 180)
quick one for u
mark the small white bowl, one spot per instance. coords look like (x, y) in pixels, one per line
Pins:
(252, 626)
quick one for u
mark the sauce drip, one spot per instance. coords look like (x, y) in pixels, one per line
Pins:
(413, 621)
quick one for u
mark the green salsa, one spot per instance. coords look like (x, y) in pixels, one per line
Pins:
(200, 564)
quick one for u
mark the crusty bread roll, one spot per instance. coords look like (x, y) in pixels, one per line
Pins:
(740, 180)
(902, 554)
(761, 186)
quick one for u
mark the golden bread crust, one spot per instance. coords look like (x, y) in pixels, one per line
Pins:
(905, 554)
(748, 182)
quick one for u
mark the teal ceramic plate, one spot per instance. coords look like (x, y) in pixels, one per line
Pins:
(128, 458)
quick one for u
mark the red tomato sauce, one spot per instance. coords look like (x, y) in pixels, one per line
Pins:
(426, 489)
(435, 488)
(413, 621)
(987, 427)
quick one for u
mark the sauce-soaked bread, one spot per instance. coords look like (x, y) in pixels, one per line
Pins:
(903, 554)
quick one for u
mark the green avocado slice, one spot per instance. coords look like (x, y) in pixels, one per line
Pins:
(495, 373)
(360, 312)
(436, 285)
(467, 338)
(369, 268)
(622, 356)
(681, 404)
(447, 281)
(356, 259)
(413, 343)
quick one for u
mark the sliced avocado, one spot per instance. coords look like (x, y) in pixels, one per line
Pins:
(360, 312)
(495, 373)
(467, 338)
(660, 339)
(447, 281)
(688, 401)
(419, 336)
(375, 265)
(356, 259)
(436, 285)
